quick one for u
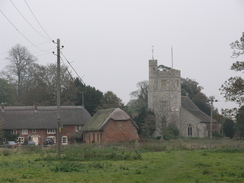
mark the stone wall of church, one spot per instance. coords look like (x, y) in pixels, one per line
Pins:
(164, 95)
(191, 124)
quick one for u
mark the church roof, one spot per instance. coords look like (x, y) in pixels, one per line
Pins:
(188, 105)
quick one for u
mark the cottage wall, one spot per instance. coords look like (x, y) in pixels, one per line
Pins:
(40, 134)
(119, 131)
(92, 137)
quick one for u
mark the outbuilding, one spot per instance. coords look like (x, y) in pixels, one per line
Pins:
(110, 126)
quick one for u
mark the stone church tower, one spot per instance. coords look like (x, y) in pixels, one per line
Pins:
(164, 95)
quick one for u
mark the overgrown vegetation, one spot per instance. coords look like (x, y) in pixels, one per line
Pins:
(185, 160)
(91, 153)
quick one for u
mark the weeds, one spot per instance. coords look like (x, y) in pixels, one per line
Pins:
(5, 152)
(8, 179)
(92, 154)
(68, 167)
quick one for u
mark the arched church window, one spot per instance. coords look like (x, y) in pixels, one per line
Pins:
(189, 130)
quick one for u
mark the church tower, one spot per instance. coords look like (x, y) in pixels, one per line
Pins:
(164, 95)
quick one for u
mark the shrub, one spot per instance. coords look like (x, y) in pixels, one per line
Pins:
(6, 152)
(170, 132)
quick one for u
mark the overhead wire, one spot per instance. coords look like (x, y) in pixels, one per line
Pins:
(43, 54)
(27, 20)
(67, 68)
(37, 20)
(20, 32)
(72, 67)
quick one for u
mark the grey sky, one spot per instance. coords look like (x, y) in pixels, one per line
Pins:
(110, 42)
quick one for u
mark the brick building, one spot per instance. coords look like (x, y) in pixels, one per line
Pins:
(36, 123)
(110, 126)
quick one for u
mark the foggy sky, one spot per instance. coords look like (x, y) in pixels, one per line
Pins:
(110, 42)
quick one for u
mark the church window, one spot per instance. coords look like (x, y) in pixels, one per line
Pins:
(189, 130)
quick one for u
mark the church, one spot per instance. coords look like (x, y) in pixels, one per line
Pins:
(165, 100)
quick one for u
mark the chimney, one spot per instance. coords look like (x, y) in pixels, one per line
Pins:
(3, 107)
(35, 108)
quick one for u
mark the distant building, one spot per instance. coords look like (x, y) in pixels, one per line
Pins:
(36, 123)
(165, 100)
(110, 126)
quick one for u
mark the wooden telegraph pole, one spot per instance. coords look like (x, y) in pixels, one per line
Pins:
(211, 100)
(58, 99)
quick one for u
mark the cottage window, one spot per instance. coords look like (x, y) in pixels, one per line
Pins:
(24, 131)
(13, 132)
(20, 140)
(53, 137)
(77, 128)
(51, 131)
(33, 130)
(93, 138)
(4, 140)
(100, 138)
(64, 140)
(189, 130)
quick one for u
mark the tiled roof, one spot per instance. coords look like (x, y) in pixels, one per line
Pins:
(188, 105)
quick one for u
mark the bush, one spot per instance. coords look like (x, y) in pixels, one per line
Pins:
(170, 132)
(216, 134)
(6, 152)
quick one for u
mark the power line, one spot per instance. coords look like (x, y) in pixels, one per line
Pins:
(44, 50)
(5, 52)
(67, 69)
(20, 32)
(72, 68)
(37, 20)
(43, 54)
(27, 20)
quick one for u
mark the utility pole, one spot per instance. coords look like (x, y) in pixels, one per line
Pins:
(58, 99)
(211, 100)
(211, 121)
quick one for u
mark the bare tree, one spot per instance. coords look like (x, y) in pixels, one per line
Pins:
(20, 61)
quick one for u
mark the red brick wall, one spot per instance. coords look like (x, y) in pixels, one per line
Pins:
(114, 131)
(42, 133)
(119, 131)
(92, 137)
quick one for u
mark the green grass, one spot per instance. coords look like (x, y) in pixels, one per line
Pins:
(109, 165)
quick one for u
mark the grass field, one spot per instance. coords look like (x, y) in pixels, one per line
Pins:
(158, 162)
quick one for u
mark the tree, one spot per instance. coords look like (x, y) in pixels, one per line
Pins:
(20, 61)
(9, 136)
(42, 83)
(228, 128)
(170, 132)
(233, 88)
(191, 89)
(240, 122)
(87, 95)
(138, 103)
(110, 100)
(138, 109)
(146, 121)
(7, 93)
